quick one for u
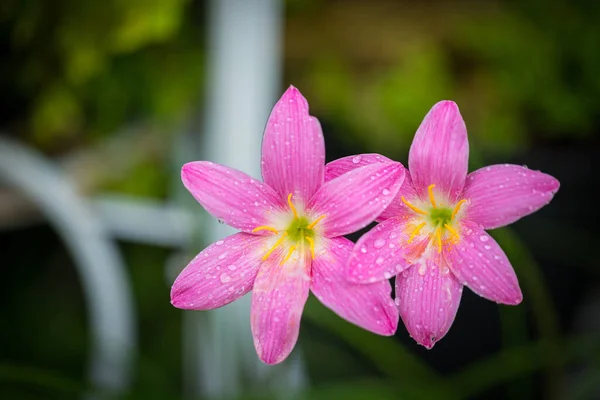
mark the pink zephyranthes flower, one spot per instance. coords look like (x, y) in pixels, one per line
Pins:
(432, 236)
(291, 234)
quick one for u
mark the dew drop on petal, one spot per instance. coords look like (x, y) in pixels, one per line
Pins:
(220, 242)
(356, 159)
(379, 243)
(379, 260)
(225, 278)
(484, 238)
(385, 192)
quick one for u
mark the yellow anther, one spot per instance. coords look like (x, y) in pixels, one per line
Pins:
(438, 236)
(315, 222)
(292, 206)
(431, 196)
(416, 231)
(415, 209)
(289, 254)
(457, 207)
(265, 228)
(277, 243)
(312, 246)
(452, 231)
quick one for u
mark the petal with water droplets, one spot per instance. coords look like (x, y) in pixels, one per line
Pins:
(278, 298)
(381, 253)
(369, 306)
(428, 297)
(220, 274)
(230, 195)
(439, 153)
(342, 165)
(293, 149)
(499, 195)
(479, 263)
(353, 200)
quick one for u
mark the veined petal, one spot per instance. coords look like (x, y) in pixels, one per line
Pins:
(278, 298)
(397, 208)
(380, 253)
(439, 153)
(353, 200)
(479, 263)
(220, 274)
(230, 195)
(342, 165)
(293, 149)
(369, 306)
(501, 194)
(428, 296)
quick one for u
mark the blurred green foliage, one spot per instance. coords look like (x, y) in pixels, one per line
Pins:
(80, 70)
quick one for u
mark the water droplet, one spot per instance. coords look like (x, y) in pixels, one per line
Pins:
(220, 242)
(232, 267)
(422, 269)
(379, 260)
(379, 243)
(484, 238)
(363, 249)
(487, 247)
(225, 278)
(385, 192)
(222, 255)
(356, 159)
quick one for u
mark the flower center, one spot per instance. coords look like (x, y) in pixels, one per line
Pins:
(299, 234)
(438, 221)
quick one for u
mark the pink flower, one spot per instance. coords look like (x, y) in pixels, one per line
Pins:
(291, 234)
(432, 236)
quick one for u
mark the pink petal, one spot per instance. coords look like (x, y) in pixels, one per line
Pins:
(353, 200)
(230, 195)
(439, 153)
(369, 306)
(397, 208)
(479, 263)
(278, 298)
(220, 274)
(428, 296)
(380, 253)
(501, 194)
(345, 164)
(293, 149)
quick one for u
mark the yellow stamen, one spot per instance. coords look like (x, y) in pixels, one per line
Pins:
(431, 196)
(265, 228)
(315, 222)
(452, 231)
(415, 209)
(277, 243)
(312, 246)
(438, 236)
(289, 254)
(292, 206)
(460, 203)
(415, 232)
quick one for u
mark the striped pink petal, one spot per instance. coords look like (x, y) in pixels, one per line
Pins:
(230, 195)
(428, 296)
(293, 149)
(439, 153)
(342, 165)
(501, 194)
(369, 306)
(479, 263)
(220, 274)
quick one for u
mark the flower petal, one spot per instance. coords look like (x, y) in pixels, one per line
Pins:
(230, 195)
(380, 253)
(220, 274)
(439, 153)
(479, 263)
(293, 149)
(353, 200)
(501, 194)
(369, 306)
(428, 296)
(342, 165)
(397, 208)
(278, 298)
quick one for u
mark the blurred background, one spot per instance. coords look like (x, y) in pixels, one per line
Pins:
(101, 102)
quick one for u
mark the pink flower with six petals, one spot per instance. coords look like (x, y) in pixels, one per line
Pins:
(432, 236)
(291, 238)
